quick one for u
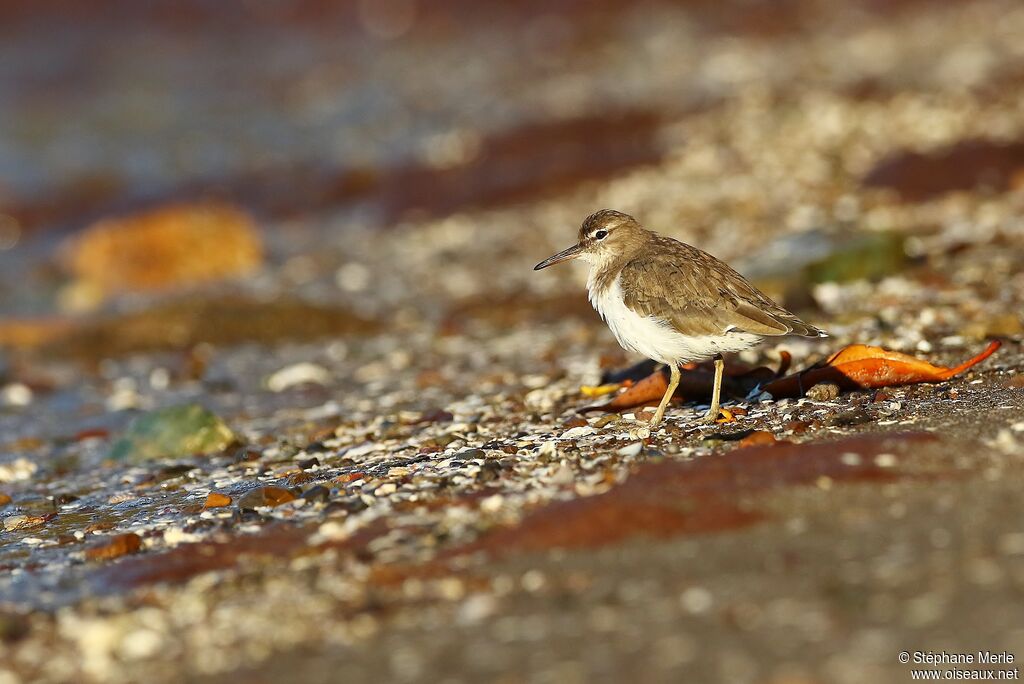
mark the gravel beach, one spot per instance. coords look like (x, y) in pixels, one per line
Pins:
(282, 399)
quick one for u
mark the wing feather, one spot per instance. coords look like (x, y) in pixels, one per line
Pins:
(700, 295)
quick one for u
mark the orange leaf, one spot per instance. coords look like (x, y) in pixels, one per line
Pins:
(862, 367)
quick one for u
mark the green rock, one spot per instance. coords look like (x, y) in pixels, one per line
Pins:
(174, 432)
(789, 267)
(867, 256)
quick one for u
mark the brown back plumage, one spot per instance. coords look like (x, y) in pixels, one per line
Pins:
(701, 295)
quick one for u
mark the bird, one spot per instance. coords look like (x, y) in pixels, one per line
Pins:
(672, 302)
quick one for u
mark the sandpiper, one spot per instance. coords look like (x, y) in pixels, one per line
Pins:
(672, 302)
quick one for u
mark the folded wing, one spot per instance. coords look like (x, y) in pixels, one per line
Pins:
(698, 294)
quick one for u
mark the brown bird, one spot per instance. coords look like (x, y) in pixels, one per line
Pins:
(672, 302)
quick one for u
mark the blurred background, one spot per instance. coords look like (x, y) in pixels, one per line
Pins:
(408, 160)
(319, 220)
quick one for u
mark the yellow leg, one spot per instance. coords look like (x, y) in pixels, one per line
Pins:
(672, 384)
(716, 392)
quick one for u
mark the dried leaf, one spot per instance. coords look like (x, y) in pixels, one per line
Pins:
(862, 367)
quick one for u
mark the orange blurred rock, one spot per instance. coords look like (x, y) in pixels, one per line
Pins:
(270, 495)
(166, 247)
(758, 438)
(217, 500)
(119, 545)
(5, 499)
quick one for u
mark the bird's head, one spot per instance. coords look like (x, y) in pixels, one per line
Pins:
(603, 236)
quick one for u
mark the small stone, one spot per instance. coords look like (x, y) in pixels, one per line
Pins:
(437, 416)
(850, 458)
(265, 496)
(117, 546)
(21, 522)
(247, 516)
(386, 489)
(490, 470)
(630, 450)
(797, 427)
(298, 374)
(824, 391)
(317, 494)
(5, 499)
(299, 479)
(217, 500)
(16, 394)
(563, 476)
(885, 460)
(18, 469)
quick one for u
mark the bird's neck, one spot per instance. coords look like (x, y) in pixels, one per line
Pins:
(604, 272)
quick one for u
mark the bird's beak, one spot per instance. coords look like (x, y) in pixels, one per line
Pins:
(564, 255)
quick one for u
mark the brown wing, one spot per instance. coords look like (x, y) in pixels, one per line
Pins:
(700, 295)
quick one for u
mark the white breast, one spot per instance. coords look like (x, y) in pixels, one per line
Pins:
(657, 339)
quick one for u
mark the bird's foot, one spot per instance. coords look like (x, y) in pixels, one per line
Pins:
(721, 415)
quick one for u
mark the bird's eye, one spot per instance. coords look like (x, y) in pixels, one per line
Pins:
(601, 234)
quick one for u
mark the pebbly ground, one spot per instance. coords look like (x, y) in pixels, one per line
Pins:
(411, 493)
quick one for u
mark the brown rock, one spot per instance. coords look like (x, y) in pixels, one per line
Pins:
(266, 496)
(217, 500)
(21, 522)
(299, 478)
(823, 391)
(5, 499)
(117, 546)
(797, 427)
(174, 245)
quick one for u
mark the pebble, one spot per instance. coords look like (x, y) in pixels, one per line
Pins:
(117, 546)
(298, 374)
(17, 470)
(317, 494)
(885, 460)
(217, 500)
(577, 432)
(265, 496)
(630, 450)
(563, 476)
(823, 391)
(17, 522)
(386, 489)
(16, 394)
